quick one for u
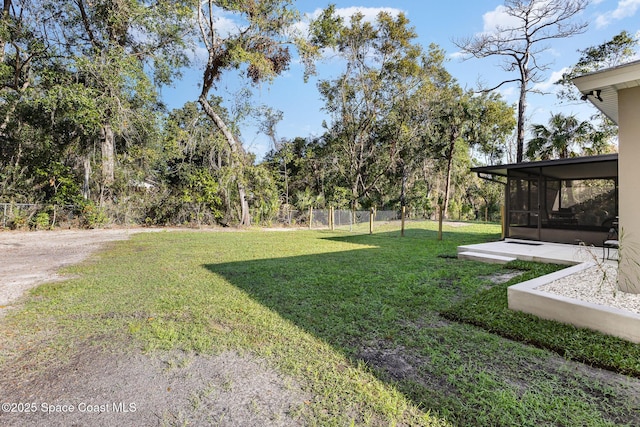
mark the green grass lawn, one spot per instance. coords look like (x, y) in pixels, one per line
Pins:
(356, 319)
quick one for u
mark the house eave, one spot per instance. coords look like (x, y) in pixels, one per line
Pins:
(601, 87)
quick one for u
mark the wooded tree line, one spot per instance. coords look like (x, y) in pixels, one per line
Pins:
(82, 122)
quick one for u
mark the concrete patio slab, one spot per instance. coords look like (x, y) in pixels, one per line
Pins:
(484, 257)
(526, 250)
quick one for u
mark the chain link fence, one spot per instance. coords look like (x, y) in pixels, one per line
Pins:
(43, 216)
(37, 216)
(342, 218)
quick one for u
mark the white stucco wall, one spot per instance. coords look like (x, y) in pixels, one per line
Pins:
(629, 188)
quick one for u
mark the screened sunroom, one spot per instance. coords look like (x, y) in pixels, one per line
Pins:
(566, 201)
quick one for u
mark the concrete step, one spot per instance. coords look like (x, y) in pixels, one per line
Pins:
(488, 258)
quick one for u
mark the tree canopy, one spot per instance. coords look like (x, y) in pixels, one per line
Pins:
(83, 125)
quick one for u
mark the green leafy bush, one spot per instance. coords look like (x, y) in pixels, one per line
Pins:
(93, 216)
(17, 219)
(41, 221)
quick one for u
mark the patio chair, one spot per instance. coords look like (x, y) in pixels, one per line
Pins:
(612, 242)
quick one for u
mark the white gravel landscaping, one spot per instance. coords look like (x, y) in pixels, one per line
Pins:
(596, 285)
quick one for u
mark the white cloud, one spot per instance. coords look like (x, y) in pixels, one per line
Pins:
(554, 52)
(549, 84)
(227, 23)
(497, 19)
(199, 55)
(625, 9)
(508, 92)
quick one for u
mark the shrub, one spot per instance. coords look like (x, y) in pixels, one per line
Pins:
(17, 220)
(93, 216)
(41, 221)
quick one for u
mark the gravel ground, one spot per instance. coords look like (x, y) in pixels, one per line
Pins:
(122, 387)
(597, 285)
(32, 258)
(101, 388)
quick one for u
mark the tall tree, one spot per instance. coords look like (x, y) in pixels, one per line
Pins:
(298, 165)
(259, 47)
(407, 124)
(20, 48)
(190, 168)
(520, 42)
(120, 50)
(382, 66)
(40, 119)
(460, 118)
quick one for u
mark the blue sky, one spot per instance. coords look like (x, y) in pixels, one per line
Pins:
(435, 21)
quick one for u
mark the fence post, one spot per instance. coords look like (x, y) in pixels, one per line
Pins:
(402, 214)
(439, 222)
(331, 227)
(310, 216)
(371, 220)
(503, 221)
(352, 218)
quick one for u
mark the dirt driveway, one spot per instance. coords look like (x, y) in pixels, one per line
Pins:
(125, 388)
(32, 258)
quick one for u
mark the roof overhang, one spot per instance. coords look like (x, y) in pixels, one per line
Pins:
(588, 167)
(601, 87)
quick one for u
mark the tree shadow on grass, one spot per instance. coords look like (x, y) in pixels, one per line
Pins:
(352, 297)
(380, 303)
(364, 302)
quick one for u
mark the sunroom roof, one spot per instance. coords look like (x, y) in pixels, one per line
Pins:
(588, 167)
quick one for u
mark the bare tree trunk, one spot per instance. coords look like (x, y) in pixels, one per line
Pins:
(86, 163)
(246, 217)
(522, 106)
(108, 154)
(236, 162)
